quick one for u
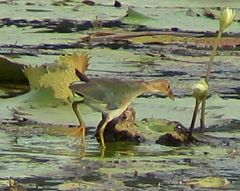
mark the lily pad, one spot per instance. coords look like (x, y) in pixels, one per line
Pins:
(209, 182)
(35, 148)
(134, 17)
(11, 71)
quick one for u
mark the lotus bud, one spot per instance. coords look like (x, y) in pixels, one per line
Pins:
(226, 18)
(200, 90)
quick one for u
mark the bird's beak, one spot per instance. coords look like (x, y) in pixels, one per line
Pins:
(170, 95)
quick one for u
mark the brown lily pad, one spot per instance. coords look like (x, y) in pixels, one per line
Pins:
(178, 137)
(11, 71)
(122, 128)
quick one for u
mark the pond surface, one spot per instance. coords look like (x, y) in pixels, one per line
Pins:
(153, 39)
(37, 158)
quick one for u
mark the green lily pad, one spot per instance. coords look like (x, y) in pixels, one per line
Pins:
(218, 109)
(134, 17)
(158, 125)
(141, 167)
(209, 182)
(38, 36)
(43, 155)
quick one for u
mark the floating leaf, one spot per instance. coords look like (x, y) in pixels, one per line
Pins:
(134, 17)
(69, 186)
(58, 76)
(34, 75)
(142, 167)
(11, 71)
(173, 39)
(152, 128)
(159, 125)
(78, 185)
(80, 61)
(59, 81)
(208, 182)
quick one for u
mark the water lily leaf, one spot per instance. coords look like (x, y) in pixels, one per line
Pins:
(80, 61)
(12, 90)
(3, 93)
(41, 106)
(142, 167)
(34, 74)
(58, 76)
(218, 110)
(59, 81)
(172, 39)
(152, 128)
(69, 186)
(134, 17)
(158, 125)
(78, 185)
(27, 103)
(49, 90)
(38, 36)
(208, 182)
(12, 79)
(11, 71)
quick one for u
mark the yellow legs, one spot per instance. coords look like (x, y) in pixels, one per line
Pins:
(100, 130)
(82, 128)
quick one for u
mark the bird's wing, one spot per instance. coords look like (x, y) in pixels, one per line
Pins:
(110, 92)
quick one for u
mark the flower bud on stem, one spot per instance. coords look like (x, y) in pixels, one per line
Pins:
(225, 20)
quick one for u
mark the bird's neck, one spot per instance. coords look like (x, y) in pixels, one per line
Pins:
(144, 87)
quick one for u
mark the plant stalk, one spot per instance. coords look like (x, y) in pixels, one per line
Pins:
(194, 117)
(207, 77)
(213, 54)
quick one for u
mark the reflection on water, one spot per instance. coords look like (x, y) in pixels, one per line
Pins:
(47, 161)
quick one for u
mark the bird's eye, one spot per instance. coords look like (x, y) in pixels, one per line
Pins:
(168, 87)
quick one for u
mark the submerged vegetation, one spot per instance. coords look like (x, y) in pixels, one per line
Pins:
(149, 145)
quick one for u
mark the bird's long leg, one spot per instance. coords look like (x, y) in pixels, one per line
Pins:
(101, 127)
(101, 134)
(194, 118)
(202, 119)
(82, 128)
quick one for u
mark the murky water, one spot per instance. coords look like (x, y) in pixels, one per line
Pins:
(39, 158)
(42, 161)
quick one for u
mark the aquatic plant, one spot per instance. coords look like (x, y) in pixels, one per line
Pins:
(200, 89)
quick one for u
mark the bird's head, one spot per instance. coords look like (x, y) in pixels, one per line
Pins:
(162, 86)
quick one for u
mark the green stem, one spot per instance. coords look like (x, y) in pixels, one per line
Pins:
(213, 54)
(202, 118)
(194, 117)
(207, 77)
